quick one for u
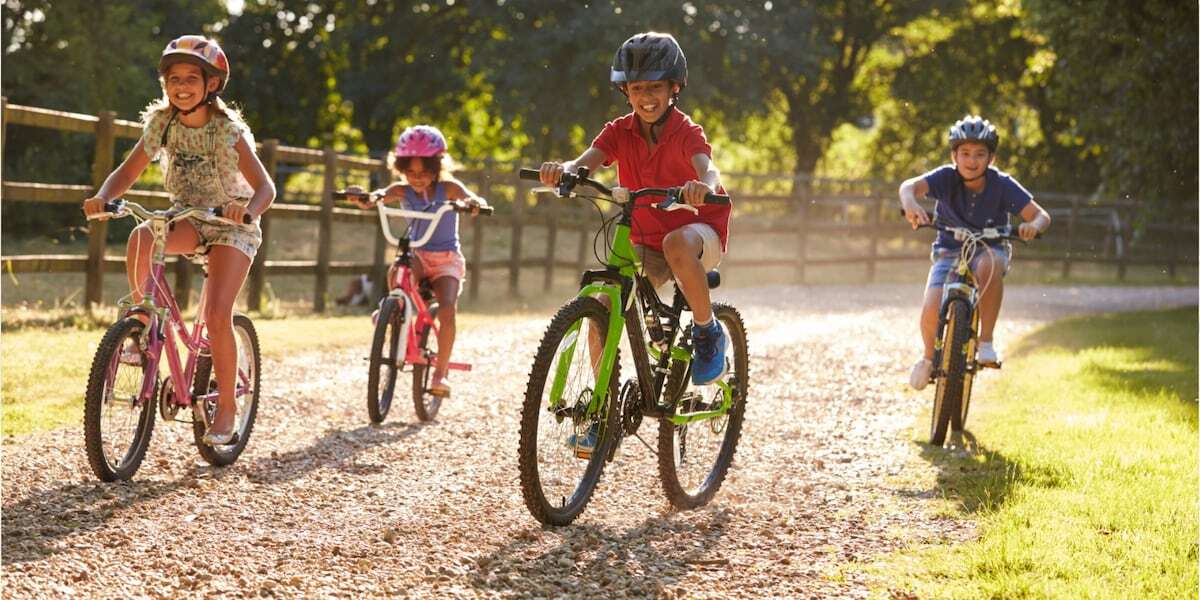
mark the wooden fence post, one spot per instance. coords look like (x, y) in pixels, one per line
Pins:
(3, 130)
(183, 282)
(325, 232)
(258, 269)
(801, 191)
(551, 243)
(1123, 245)
(379, 264)
(474, 269)
(584, 238)
(874, 220)
(102, 165)
(1066, 268)
(514, 260)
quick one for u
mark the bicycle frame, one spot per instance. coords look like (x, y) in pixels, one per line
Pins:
(617, 282)
(166, 327)
(404, 287)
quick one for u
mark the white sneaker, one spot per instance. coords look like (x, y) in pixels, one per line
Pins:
(985, 354)
(919, 377)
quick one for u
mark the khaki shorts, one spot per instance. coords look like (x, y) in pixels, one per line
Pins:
(654, 263)
(245, 240)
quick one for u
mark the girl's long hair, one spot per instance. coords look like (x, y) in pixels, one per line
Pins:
(163, 105)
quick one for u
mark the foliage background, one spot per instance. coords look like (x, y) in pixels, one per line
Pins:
(1090, 97)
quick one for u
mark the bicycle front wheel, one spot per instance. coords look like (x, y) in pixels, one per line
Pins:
(947, 399)
(386, 359)
(425, 404)
(564, 439)
(694, 457)
(248, 385)
(117, 424)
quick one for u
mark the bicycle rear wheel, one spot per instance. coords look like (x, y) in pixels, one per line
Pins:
(693, 458)
(386, 359)
(947, 399)
(557, 479)
(426, 404)
(249, 371)
(117, 424)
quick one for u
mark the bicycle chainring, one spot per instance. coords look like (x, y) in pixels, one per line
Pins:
(631, 407)
(166, 400)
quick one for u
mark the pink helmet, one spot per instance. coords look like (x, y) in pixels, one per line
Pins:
(199, 50)
(420, 141)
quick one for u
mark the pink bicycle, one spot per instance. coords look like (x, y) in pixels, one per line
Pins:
(125, 385)
(406, 315)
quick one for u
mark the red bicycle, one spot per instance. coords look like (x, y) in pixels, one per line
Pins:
(407, 315)
(125, 385)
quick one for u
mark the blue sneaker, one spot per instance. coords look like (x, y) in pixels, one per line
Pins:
(708, 353)
(585, 443)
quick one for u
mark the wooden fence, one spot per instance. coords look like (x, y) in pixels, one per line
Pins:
(816, 214)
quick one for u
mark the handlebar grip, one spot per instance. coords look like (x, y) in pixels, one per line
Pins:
(247, 219)
(486, 210)
(113, 206)
(716, 199)
(530, 174)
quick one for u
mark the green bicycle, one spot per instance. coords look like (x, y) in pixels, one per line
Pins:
(574, 391)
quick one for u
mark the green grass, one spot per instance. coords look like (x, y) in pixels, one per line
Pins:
(45, 372)
(1080, 469)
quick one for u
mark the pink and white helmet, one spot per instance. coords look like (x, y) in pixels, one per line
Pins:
(420, 141)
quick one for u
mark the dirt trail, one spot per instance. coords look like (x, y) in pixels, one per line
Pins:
(322, 504)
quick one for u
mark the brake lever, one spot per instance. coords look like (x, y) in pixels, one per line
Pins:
(673, 203)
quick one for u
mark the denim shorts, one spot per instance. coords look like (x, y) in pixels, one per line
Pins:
(943, 260)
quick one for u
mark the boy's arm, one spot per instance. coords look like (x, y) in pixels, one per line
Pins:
(708, 180)
(910, 190)
(1037, 220)
(593, 158)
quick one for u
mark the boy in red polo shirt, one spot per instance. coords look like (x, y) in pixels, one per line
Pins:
(656, 145)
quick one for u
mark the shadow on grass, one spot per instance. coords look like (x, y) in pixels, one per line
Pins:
(1163, 344)
(32, 527)
(594, 560)
(978, 479)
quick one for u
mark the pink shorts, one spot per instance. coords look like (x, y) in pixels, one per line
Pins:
(435, 265)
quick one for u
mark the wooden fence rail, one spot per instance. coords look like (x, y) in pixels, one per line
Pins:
(810, 213)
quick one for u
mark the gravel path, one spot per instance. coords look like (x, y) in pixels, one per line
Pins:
(322, 504)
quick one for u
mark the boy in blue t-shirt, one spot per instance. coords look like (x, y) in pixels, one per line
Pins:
(969, 193)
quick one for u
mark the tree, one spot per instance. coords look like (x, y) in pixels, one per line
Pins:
(1128, 73)
(80, 56)
(808, 53)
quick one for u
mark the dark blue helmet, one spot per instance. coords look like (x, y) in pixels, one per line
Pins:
(649, 56)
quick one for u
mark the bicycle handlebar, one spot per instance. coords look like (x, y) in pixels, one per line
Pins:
(987, 233)
(434, 217)
(620, 195)
(120, 208)
(375, 197)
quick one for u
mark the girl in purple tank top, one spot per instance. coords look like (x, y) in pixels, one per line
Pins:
(420, 159)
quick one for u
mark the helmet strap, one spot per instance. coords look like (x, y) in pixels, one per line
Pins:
(659, 122)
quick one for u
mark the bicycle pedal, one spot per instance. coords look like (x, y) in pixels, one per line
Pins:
(583, 454)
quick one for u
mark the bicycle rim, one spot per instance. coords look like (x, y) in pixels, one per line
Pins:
(557, 478)
(425, 404)
(117, 425)
(381, 381)
(948, 395)
(693, 458)
(249, 371)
